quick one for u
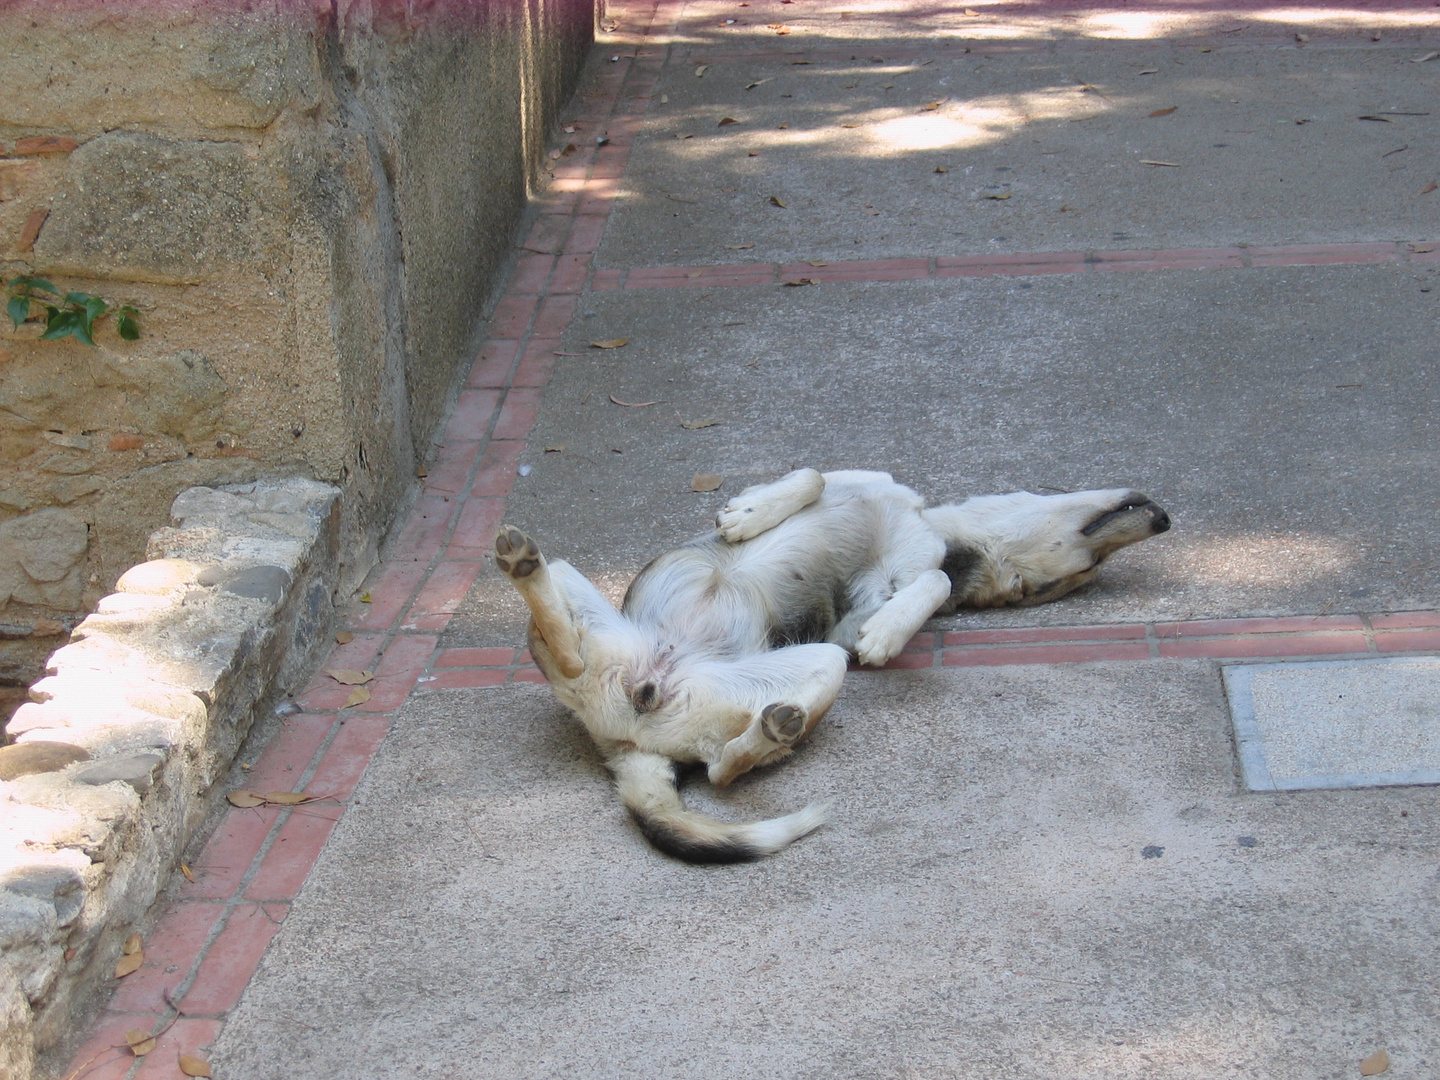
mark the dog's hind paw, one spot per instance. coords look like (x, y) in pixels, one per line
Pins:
(516, 553)
(783, 724)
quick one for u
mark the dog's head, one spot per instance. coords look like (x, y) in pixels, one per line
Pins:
(1027, 549)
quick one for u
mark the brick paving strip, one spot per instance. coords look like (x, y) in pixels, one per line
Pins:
(204, 950)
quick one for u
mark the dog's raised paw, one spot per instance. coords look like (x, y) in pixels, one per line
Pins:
(516, 553)
(879, 643)
(783, 723)
(736, 522)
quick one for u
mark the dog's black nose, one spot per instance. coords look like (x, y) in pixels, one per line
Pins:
(1159, 521)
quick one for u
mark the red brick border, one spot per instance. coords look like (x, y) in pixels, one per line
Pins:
(205, 949)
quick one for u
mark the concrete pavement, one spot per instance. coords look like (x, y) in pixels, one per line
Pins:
(1043, 860)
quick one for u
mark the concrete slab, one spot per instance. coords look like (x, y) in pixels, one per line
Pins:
(1280, 415)
(1336, 724)
(1031, 873)
(1044, 151)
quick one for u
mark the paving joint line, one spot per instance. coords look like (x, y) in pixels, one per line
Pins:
(1018, 264)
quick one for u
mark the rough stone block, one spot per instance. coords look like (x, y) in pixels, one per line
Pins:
(26, 759)
(137, 770)
(41, 558)
(165, 208)
(158, 577)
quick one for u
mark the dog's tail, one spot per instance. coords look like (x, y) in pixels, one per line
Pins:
(648, 789)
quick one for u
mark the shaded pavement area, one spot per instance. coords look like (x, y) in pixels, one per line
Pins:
(1190, 249)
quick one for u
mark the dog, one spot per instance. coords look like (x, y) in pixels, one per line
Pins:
(728, 650)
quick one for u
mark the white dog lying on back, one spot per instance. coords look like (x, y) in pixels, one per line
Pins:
(729, 649)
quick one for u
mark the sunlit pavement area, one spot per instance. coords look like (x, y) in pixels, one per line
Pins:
(1190, 249)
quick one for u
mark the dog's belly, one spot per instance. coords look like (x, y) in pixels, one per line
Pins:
(765, 593)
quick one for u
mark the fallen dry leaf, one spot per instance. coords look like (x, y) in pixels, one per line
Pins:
(555, 448)
(632, 404)
(775, 200)
(1150, 71)
(757, 82)
(995, 195)
(727, 120)
(739, 247)
(941, 169)
(849, 125)
(972, 13)
(847, 14)
(245, 799)
(1165, 112)
(365, 598)
(815, 262)
(190, 877)
(129, 962)
(1427, 56)
(1429, 188)
(800, 281)
(1166, 164)
(132, 945)
(779, 30)
(612, 343)
(287, 798)
(930, 106)
(753, 153)
(1375, 1064)
(140, 1042)
(706, 482)
(69, 954)
(1302, 38)
(700, 71)
(191, 1065)
(350, 678)
(343, 637)
(696, 425)
(358, 696)
(782, 127)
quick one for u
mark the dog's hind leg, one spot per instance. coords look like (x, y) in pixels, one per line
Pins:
(786, 692)
(759, 509)
(885, 633)
(519, 557)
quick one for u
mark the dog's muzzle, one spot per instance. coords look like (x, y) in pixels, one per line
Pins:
(1159, 519)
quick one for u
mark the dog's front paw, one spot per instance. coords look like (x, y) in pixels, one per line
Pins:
(516, 553)
(878, 643)
(737, 521)
(783, 724)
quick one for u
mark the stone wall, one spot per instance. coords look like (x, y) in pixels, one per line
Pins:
(117, 758)
(308, 202)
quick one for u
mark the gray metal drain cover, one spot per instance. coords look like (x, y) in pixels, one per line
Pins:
(1336, 723)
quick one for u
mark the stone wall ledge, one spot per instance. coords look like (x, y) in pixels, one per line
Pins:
(117, 756)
